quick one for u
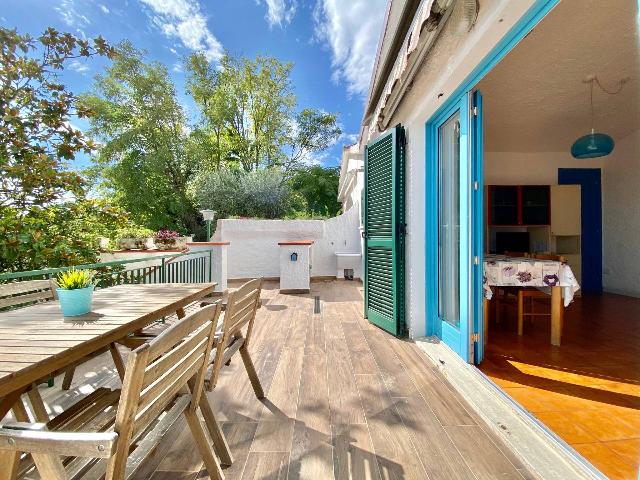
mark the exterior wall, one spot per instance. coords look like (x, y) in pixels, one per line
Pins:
(451, 60)
(254, 250)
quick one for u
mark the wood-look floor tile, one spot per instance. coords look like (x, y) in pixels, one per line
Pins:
(266, 466)
(344, 399)
(395, 452)
(273, 436)
(482, 456)
(315, 341)
(354, 457)
(393, 372)
(282, 396)
(439, 455)
(313, 402)
(361, 357)
(311, 453)
(239, 437)
(171, 475)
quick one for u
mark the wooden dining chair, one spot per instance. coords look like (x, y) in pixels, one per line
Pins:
(529, 295)
(21, 294)
(234, 333)
(507, 295)
(109, 433)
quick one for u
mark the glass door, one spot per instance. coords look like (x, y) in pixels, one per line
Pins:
(448, 225)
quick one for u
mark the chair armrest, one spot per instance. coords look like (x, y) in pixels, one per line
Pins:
(35, 438)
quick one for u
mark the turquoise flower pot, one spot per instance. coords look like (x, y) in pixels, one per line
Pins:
(75, 302)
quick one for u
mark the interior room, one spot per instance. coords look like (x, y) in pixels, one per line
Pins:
(540, 200)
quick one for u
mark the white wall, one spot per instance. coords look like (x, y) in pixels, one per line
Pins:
(254, 250)
(452, 59)
(621, 217)
(537, 168)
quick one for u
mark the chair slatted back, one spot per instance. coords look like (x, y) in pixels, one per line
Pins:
(19, 293)
(549, 256)
(158, 371)
(241, 310)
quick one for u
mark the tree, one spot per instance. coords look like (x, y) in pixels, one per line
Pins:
(58, 235)
(36, 136)
(319, 186)
(260, 193)
(142, 161)
(249, 108)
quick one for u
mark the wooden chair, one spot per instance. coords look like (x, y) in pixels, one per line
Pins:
(503, 294)
(20, 294)
(532, 294)
(241, 310)
(109, 433)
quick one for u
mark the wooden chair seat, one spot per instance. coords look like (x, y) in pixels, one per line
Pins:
(110, 433)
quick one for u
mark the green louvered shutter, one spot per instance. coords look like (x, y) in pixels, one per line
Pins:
(384, 231)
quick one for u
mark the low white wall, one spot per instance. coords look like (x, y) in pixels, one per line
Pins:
(254, 250)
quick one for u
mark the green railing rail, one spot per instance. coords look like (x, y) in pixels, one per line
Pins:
(188, 267)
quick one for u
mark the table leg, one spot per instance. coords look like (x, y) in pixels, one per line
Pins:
(520, 313)
(37, 405)
(556, 315)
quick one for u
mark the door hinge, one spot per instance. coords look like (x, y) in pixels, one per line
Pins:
(475, 111)
(475, 337)
(476, 185)
(476, 260)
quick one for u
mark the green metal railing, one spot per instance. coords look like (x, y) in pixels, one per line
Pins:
(189, 267)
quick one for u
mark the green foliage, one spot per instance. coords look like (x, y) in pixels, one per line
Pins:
(36, 138)
(319, 187)
(142, 163)
(75, 279)
(248, 112)
(131, 231)
(260, 193)
(57, 235)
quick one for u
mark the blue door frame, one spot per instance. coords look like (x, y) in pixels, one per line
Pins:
(591, 239)
(474, 237)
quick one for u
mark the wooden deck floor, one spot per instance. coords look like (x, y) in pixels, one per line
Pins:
(344, 400)
(588, 389)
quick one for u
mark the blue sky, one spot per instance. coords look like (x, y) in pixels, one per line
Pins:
(332, 43)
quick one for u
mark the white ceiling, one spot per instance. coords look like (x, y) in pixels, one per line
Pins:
(535, 99)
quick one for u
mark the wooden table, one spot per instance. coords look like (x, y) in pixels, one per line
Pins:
(37, 341)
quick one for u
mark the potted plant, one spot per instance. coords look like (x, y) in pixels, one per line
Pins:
(75, 292)
(165, 239)
(131, 238)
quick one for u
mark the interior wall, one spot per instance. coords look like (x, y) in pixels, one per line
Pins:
(532, 168)
(621, 217)
(620, 200)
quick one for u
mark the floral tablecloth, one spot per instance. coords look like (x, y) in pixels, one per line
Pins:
(503, 271)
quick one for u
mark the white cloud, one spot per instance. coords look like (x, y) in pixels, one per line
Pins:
(279, 11)
(352, 32)
(104, 8)
(184, 20)
(78, 66)
(70, 15)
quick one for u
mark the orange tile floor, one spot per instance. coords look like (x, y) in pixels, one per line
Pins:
(587, 390)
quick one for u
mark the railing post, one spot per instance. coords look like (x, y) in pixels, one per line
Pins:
(210, 269)
(162, 275)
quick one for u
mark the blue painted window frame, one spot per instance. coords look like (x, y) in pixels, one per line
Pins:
(461, 94)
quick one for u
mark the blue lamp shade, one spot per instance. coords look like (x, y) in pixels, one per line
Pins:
(592, 145)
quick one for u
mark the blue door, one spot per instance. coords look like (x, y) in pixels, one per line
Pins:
(448, 255)
(477, 225)
(591, 199)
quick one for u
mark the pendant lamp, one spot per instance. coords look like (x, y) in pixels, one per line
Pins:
(594, 144)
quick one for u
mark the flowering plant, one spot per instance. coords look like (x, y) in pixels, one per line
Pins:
(166, 235)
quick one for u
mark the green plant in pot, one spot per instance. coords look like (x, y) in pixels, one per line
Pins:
(75, 291)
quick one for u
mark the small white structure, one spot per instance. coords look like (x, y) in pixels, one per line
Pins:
(218, 260)
(295, 266)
